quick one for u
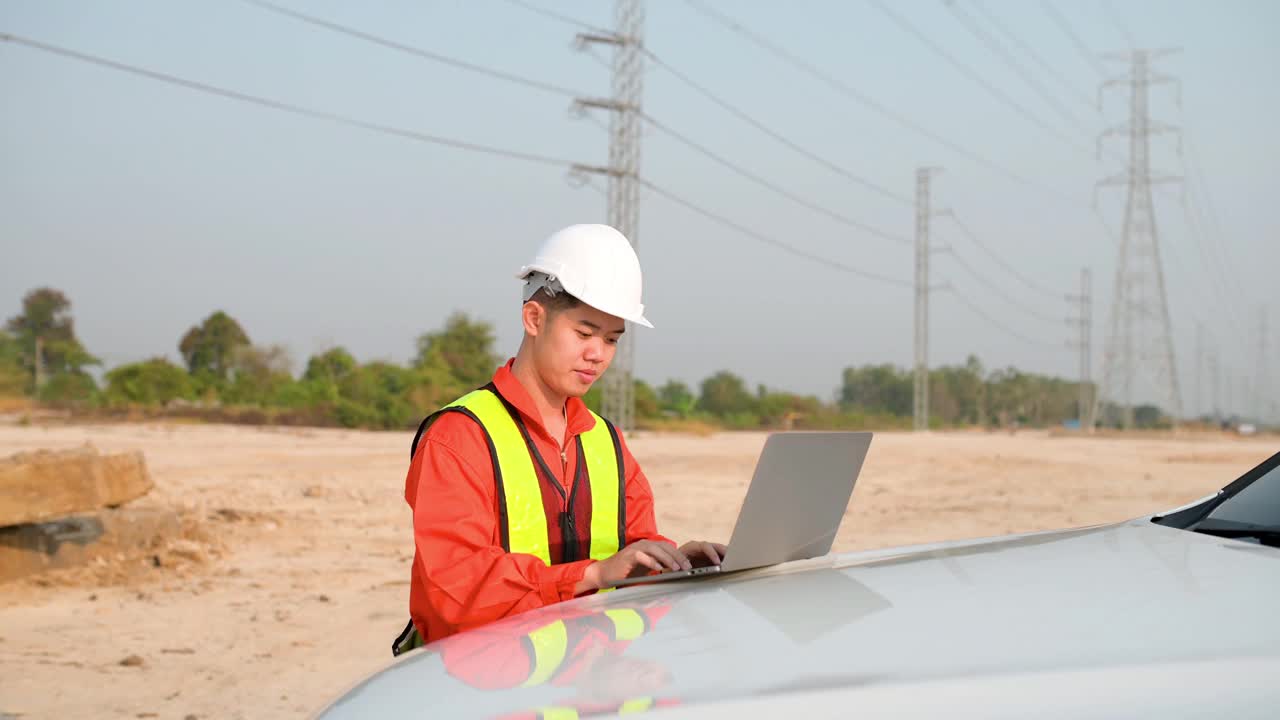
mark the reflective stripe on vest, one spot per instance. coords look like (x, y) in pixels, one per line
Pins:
(627, 624)
(523, 519)
(636, 705)
(550, 643)
(629, 707)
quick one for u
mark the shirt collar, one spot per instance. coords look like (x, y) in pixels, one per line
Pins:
(578, 417)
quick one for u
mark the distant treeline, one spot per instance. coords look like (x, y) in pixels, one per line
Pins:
(223, 375)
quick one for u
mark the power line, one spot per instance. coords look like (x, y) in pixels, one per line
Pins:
(848, 91)
(1206, 195)
(415, 51)
(996, 323)
(1009, 60)
(973, 237)
(1013, 38)
(975, 76)
(798, 199)
(1061, 21)
(558, 16)
(1013, 302)
(1118, 23)
(1214, 262)
(773, 242)
(829, 263)
(784, 140)
(283, 106)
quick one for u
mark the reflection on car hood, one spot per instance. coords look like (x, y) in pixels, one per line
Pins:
(1078, 615)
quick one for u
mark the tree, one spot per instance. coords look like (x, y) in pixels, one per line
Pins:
(331, 365)
(956, 392)
(46, 318)
(73, 388)
(211, 346)
(877, 389)
(258, 375)
(676, 398)
(464, 348)
(153, 382)
(725, 394)
(377, 394)
(646, 400)
(782, 409)
(13, 379)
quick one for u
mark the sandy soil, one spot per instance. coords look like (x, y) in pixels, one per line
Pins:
(292, 576)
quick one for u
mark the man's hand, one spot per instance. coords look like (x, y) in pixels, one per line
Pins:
(636, 559)
(702, 553)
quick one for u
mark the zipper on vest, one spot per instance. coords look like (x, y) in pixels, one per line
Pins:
(568, 527)
(573, 551)
(569, 536)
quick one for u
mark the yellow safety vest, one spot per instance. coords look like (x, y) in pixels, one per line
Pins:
(522, 522)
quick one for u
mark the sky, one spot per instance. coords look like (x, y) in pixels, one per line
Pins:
(152, 205)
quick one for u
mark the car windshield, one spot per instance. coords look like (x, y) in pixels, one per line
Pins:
(1258, 504)
(1253, 511)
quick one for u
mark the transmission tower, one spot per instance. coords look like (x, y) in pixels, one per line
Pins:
(1260, 389)
(623, 173)
(1200, 409)
(1215, 387)
(1140, 340)
(1227, 402)
(920, 413)
(1083, 320)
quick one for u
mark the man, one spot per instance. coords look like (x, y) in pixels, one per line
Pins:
(521, 496)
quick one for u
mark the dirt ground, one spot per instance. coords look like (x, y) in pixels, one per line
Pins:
(291, 575)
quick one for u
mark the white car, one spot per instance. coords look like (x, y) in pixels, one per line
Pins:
(1171, 616)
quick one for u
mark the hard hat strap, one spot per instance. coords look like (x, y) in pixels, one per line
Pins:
(541, 281)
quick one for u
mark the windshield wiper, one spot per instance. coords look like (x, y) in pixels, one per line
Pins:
(1264, 533)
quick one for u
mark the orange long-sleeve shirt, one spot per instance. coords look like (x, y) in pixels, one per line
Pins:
(461, 577)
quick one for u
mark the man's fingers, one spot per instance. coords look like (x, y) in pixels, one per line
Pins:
(674, 559)
(648, 561)
(712, 552)
(664, 556)
(681, 559)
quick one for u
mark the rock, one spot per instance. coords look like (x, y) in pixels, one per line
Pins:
(45, 485)
(101, 541)
(324, 599)
(315, 491)
(133, 661)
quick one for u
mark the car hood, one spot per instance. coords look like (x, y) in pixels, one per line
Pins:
(1090, 612)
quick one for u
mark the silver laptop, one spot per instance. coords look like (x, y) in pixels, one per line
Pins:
(798, 495)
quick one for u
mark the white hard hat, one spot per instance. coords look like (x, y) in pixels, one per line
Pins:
(594, 263)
